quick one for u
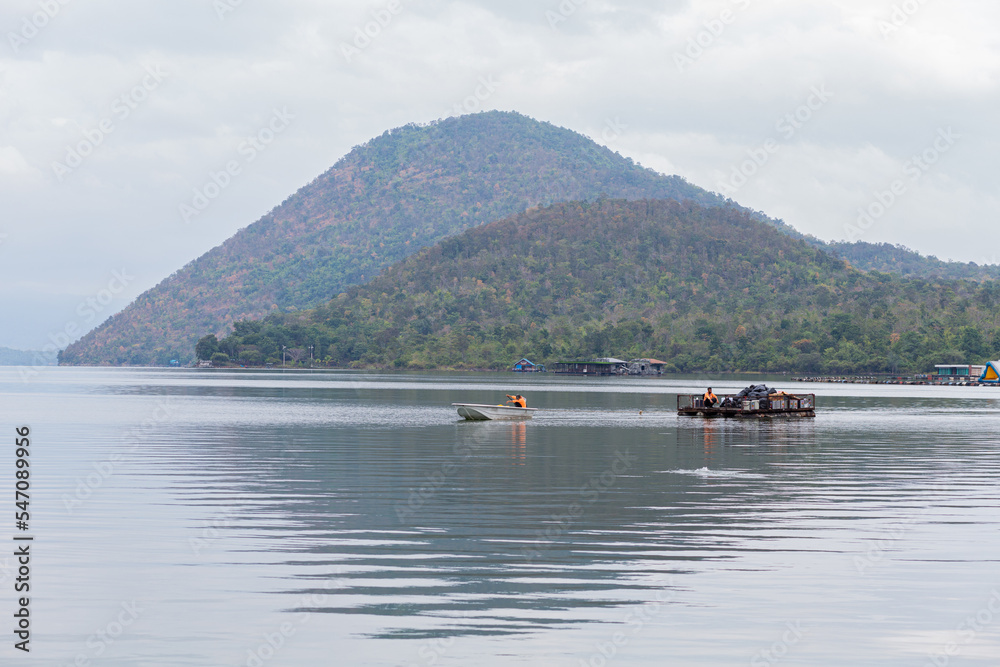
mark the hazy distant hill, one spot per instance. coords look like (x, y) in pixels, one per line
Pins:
(400, 192)
(10, 357)
(706, 288)
(385, 200)
(905, 262)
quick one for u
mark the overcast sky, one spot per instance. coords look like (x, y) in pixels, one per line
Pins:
(113, 112)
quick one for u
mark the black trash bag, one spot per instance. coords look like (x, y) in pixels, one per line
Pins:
(756, 392)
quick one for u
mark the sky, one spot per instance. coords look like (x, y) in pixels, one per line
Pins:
(136, 136)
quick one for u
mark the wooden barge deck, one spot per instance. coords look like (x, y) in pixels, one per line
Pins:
(780, 406)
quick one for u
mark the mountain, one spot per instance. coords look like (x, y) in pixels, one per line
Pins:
(707, 288)
(400, 192)
(385, 200)
(902, 261)
(11, 357)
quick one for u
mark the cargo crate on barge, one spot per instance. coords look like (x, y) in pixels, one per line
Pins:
(775, 406)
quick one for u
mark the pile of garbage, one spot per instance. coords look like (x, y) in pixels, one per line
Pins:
(755, 392)
(752, 393)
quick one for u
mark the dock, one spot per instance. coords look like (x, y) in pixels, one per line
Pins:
(864, 379)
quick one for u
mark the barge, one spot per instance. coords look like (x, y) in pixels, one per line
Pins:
(781, 406)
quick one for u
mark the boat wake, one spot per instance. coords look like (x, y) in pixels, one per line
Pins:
(705, 472)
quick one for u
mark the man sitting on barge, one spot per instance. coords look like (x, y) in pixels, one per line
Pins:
(710, 399)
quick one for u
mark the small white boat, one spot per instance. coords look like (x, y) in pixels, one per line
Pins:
(477, 412)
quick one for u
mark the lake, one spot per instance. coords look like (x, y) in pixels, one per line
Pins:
(207, 517)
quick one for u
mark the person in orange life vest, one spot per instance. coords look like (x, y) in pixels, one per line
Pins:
(517, 401)
(710, 399)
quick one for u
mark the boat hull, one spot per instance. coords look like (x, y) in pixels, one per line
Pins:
(479, 413)
(736, 413)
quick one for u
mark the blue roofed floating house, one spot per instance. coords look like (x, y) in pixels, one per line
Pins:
(526, 366)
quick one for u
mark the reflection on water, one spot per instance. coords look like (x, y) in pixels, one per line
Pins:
(301, 520)
(518, 441)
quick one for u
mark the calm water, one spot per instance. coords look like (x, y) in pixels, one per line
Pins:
(215, 518)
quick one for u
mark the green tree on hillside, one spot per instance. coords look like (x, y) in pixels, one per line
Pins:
(206, 347)
(707, 289)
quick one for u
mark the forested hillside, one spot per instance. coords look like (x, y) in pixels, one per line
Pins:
(385, 200)
(706, 288)
(400, 192)
(902, 261)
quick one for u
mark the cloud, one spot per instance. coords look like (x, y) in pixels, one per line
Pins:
(601, 64)
(12, 163)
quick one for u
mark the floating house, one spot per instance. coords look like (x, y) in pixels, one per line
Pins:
(646, 367)
(958, 372)
(606, 366)
(991, 373)
(526, 366)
